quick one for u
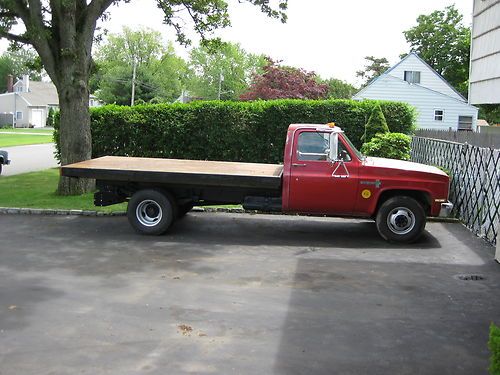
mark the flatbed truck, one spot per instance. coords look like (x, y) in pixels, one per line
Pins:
(323, 174)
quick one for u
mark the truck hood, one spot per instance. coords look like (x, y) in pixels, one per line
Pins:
(402, 166)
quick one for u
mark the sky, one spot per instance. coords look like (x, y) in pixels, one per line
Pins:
(329, 37)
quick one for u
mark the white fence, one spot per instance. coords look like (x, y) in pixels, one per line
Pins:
(475, 181)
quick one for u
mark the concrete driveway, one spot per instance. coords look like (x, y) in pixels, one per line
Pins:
(241, 294)
(29, 159)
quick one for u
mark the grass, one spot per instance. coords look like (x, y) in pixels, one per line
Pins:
(28, 130)
(37, 190)
(9, 140)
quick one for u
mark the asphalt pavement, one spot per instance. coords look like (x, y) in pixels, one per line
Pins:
(241, 294)
(29, 159)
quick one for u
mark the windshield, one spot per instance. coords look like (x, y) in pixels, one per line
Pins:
(359, 155)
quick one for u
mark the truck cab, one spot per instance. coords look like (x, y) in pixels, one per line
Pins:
(324, 174)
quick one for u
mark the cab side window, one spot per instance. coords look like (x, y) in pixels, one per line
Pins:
(313, 146)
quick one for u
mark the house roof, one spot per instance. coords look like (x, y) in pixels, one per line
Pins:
(41, 94)
(423, 88)
(421, 60)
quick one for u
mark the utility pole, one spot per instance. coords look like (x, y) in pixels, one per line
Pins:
(221, 77)
(134, 72)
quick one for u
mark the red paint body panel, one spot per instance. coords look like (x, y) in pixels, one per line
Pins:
(310, 188)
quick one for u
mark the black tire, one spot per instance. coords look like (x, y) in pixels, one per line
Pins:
(151, 211)
(1, 167)
(184, 209)
(401, 219)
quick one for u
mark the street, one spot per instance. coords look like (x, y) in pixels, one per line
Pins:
(29, 159)
(241, 294)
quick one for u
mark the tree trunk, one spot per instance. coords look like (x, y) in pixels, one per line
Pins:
(74, 130)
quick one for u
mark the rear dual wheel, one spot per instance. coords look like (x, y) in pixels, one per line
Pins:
(151, 211)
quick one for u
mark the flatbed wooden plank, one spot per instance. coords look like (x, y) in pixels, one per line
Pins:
(124, 163)
(177, 171)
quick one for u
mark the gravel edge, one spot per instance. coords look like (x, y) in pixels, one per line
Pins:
(45, 211)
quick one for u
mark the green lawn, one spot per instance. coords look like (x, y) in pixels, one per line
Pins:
(28, 130)
(9, 140)
(37, 190)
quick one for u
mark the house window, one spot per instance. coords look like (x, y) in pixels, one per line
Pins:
(438, 115)
(19, 115)
(412, 76)
(465, 123)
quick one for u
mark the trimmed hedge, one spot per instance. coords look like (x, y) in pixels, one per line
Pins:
(233, 131)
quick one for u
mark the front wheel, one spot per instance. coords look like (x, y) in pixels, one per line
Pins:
(401, 219)
(151, 211)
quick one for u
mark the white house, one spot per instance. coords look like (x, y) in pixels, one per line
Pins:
(28, 103)
(413, 81)
(484, 75)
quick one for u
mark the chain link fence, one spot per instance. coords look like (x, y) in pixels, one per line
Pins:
(475, 181)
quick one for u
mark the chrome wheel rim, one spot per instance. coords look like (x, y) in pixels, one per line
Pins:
(149, 213)
(401, 220)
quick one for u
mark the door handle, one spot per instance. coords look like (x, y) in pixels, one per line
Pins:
(298, 165)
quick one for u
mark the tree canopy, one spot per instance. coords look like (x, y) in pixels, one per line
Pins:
(338, 89)
(374, 67)
(17, 62)
(223, 72)
(281, 82)
(443, 41)
(159, 71)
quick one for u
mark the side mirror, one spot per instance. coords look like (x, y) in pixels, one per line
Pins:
(334, 146)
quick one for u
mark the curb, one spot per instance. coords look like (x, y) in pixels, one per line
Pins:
(45, 211)
(48, 211)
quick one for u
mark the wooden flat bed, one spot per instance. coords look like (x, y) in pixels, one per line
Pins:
(178, 172)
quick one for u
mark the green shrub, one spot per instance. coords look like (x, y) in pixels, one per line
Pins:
(233, 131)
(50, 117)
(494, 345)
(400, 117)
(389, 145)
(376, 124)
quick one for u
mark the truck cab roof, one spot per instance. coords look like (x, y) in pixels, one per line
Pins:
(331, 127)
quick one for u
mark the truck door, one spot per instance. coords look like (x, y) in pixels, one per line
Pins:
(318, 185)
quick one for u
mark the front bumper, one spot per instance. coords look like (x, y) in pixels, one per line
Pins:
(446, 209)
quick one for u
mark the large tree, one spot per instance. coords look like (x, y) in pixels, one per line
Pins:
(222, 72)
(62, 32)
(138, 61)
(374, 67)
(338, 89)
(285, 82)
(443, 41)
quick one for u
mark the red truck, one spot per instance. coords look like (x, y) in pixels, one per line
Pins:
(323, 174)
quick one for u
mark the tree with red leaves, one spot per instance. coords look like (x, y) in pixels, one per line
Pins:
(283, 82)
